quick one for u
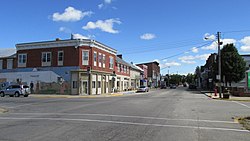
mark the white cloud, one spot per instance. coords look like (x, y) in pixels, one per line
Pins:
(147, 36)
(173, 63)
(107, 1)
(246, 44)
(100, 6)
(64, 29)
(188, 62)
(5, 52)
(79, 36)
(106, 26)
(195, 50)
(214, 45)
(190, 59)
(70, 15)
(209, 37)
(105, 4)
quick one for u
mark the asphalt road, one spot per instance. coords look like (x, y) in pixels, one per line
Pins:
(161, 115)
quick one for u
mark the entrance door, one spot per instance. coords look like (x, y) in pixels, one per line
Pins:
(84, 87)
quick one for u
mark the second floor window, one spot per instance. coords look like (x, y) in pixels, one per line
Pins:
(100, 60)
(118, 67)
(104, 60)
(95, 58)
(111, 62)
(46, 57)
(85, 57)
(60, 58)
(60, 55)
(22, 58)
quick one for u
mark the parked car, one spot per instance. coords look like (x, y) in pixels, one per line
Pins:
(16, 90)
(163, 86)
(192, 86)
(143, 89)
(172, 86)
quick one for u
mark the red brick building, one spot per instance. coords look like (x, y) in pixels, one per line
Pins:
(86, 64)
(153, 73)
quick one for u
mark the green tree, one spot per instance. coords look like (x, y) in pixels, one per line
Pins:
(190, 78)
(232, 64)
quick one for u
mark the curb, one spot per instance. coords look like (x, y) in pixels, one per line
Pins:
(76, 96)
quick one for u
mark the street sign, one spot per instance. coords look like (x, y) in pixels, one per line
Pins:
(248, 79)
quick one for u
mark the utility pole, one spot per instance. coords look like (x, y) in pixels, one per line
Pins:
(219, 63)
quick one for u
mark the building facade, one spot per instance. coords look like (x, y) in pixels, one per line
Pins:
(153, 73)
(83, 66)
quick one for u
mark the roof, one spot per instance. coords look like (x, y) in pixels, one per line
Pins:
(148, 63)
(9, 57)
(119, 60)
(64, 43)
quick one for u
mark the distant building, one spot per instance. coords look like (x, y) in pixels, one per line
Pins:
(144, 75)
(153, 73)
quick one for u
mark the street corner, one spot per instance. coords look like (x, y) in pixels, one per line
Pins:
(3, 110)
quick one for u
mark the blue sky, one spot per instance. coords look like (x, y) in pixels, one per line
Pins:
(169, 31)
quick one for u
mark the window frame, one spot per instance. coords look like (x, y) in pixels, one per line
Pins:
(60, 62)
(22, 60)
(85, 62)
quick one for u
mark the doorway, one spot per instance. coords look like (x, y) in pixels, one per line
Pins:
(84, 88)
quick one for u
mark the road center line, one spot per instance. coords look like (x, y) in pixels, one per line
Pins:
(241, 104)
(124, 116)
(126, 123)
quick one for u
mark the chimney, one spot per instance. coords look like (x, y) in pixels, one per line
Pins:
(120, 56)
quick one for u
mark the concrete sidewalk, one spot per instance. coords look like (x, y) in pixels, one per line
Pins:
(81, 96)
(233, 98)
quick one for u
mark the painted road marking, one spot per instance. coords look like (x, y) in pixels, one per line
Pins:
(127, 123)
(241, 104)
(124, 116)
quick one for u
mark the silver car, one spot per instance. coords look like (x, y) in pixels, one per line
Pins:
(16, 90)
(143, 89)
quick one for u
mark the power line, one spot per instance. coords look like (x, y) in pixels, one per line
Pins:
(236, 31)
(146, 48)
(155, 49)
(186, 51)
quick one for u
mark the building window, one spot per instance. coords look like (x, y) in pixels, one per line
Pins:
(93, 84)
(46, 58)
(74, 84)
(118, 67)
(22, 59)
(125, 69)
(60, 58)
(111, 62)
(103, 60)
(85, 57)
(99, 84)
(122, 68)
(100, 59)
(95, 58)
